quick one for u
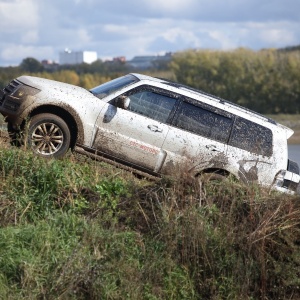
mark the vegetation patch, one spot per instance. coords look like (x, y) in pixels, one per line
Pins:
(80, 229)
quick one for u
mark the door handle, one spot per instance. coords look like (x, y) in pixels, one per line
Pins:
(212, 148)
(154, 128)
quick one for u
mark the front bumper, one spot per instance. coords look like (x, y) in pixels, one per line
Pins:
(14, 98)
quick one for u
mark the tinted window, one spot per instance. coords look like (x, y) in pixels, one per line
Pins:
(251, 137)
(203, 122)
(152, 105)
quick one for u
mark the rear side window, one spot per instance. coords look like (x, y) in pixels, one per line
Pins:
(251, 137)
(203, 122)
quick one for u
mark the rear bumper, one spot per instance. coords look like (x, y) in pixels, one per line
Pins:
(287, 182)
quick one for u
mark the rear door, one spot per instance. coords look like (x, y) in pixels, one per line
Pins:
(136, 135)
(198, 138)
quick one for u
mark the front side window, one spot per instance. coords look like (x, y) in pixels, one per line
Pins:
(151, 104)
(203, 122)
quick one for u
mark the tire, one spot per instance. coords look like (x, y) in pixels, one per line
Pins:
(48, 135)
(212, 180)
(213, 177)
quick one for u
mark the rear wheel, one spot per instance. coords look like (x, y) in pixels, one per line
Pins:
(48, 135)
(211, 184)
(213, 177)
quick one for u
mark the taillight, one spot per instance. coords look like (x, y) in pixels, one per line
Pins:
(293, 167)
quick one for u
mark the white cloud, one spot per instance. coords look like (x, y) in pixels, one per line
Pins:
(30, 37)
(223, 39)
(114, 28)
(83, 36)
(18, 15)
(42, 29)
(170, 6)
(16, 53)
(277, 36)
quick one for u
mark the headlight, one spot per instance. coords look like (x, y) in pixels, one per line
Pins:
(12, 101)
(24, 90)
(279, 179)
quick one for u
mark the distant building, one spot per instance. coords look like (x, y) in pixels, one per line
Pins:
(49, 65)
(69, 57)
(146, 62)
(121, 59)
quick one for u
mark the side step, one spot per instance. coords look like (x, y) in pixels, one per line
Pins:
(95, 156)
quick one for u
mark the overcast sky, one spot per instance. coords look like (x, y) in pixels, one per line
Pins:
(43, 28)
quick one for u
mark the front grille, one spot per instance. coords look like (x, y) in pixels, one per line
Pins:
(11, 87)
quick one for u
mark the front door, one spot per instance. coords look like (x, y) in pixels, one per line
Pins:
(136, 135)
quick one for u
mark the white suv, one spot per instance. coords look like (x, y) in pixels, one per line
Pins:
(153, 126)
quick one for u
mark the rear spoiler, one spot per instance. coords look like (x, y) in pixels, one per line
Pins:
(288, 131)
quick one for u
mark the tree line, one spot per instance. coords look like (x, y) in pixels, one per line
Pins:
(267, 81)
(85, 75)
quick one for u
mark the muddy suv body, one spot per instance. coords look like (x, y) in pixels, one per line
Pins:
(153, 126)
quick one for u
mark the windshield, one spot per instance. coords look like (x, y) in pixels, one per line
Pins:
(110, 87)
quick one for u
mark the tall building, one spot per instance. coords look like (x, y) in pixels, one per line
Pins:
(69, 57)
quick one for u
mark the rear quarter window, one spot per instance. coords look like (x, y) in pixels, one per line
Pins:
(251, 137)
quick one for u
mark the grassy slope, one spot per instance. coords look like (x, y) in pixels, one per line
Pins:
(80, 229)
(76, 229)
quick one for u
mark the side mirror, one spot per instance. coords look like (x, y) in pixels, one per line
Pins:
(122, 102)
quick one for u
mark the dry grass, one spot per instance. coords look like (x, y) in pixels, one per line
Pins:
(80, 229)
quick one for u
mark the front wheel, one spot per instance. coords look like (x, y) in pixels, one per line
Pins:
(49, 135)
